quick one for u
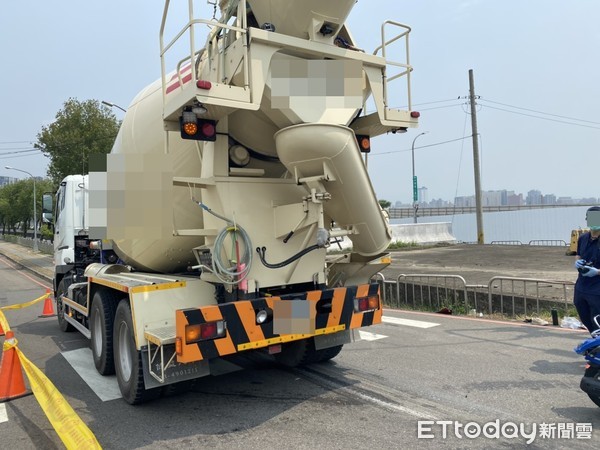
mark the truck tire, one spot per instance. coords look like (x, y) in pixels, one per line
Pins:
(128, 360)
(61, 308)
(297, 353)
(326, 354)
(593, 372)
(102, 317)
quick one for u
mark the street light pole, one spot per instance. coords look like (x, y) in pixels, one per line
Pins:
(35, 239)
(113, 105)
(415, 186)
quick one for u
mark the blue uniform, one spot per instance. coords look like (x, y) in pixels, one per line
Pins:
(587, 289)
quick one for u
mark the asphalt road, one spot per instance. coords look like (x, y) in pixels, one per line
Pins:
(413, 367)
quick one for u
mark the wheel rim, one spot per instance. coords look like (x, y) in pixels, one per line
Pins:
(125, 357)
(97, 337)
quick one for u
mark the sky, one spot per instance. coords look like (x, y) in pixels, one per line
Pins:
(535, 67)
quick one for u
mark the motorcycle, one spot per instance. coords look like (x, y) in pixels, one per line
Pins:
(590, 349)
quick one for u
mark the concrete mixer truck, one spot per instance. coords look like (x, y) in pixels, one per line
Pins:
(204, 234)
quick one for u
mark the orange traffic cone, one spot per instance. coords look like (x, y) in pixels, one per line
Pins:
(1, 330)
(12, 384)
(48, 306)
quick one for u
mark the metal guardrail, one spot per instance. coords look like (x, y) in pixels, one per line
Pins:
(506, 243)
(524, 295)
(535, 242)
(533, 283)
(457, 282)
(549, 242)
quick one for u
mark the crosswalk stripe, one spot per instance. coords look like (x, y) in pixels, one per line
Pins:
(105, 387)
(3, 414)
(367, 336)
(408, 322)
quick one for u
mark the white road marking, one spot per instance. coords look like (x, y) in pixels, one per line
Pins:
(105, 387)
(408, 322)
(394, 406)
(3, 414)
(367, 336)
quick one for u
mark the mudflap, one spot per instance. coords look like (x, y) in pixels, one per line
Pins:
(175, 372)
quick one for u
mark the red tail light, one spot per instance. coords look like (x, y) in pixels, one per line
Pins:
(205, 331)
(363, 304)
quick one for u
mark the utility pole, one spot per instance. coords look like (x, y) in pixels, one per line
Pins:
(475, 135)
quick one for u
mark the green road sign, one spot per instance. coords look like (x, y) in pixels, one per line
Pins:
(415, 191)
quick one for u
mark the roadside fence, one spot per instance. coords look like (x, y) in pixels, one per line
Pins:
(501, 295)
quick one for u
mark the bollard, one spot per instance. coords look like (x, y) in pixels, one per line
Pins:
(554, 317)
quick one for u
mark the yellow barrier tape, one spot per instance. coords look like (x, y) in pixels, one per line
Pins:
(25, 305)
(73, 432)
(3, 322)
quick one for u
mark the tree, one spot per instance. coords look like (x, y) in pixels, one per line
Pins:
(385, 203)
(16, 204)
(79, 129)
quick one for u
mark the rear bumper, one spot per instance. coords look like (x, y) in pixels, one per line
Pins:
(312, 313)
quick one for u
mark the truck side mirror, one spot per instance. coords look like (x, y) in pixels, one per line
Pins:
(47, 208)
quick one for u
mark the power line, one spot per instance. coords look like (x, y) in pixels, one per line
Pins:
(17, 156)
(24, 150)
(422, 146)
(440, 107)
(540, 112)
(426, 103)
(14, 142)
(542, 118)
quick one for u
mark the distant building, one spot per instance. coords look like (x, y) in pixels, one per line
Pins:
(466, 201)
(513, 199)
(549, 199)
(564, 201)
(423, 195)
(7, 180)
(534, 197)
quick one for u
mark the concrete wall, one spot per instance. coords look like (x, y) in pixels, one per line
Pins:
(423, 233)
(416, 233)
(43, 246)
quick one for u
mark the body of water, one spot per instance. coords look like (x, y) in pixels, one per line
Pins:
(523, 225)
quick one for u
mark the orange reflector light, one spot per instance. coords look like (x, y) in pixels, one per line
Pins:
(364, 143)
(363, 304)
(204, 331)
(190, 128)
(178, 346)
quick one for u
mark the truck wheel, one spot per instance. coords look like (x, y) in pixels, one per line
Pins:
(101, 328)
(128, 360)
(593, 372)
(297, 353)
(327, 353)
(61, 309)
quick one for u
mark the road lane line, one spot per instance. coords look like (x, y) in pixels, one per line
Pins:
(105, 387)
(367, 336)
(408, 322)
(3, 414)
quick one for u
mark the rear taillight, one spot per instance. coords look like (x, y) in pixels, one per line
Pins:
(205, 331)
(363, 304)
